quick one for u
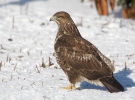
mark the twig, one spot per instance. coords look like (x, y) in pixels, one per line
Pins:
(11, 77)
(43, 64)
(81, 24)
(121, 23)
(33, 83)
(5, 6)
(7, 57)
(20, 6)
(115, 15)
(15, 66)
(50, 63)
(42, 83)
(41, 53)
(37, 69)
(125, 66)
(13, 21)
(26, 9)
(21, 87)
(2, 47)
(2, 79)
(28, 53)
(13, 50)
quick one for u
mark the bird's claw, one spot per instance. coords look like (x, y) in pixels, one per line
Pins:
(70, 87)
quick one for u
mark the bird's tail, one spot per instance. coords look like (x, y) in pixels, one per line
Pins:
(112, 84)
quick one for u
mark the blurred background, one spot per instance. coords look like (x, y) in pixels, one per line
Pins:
(28, 69)
(127, 7)
(118, 8)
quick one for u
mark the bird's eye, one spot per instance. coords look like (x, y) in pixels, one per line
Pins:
(59, 16)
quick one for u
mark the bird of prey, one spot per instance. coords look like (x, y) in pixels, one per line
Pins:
(80, 59)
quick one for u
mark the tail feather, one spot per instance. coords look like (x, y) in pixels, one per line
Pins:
(112, 84)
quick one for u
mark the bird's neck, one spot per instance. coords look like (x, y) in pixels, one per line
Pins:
(68, 28)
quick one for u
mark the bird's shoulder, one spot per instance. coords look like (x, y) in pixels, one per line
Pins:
(73, 41)
(68, 45)
(79, 49)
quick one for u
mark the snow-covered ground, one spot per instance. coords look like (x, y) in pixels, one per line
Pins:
(27, 40)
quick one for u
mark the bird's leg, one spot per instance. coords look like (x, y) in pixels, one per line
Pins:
(70, 87)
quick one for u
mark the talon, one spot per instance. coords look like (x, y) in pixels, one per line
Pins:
(70, 87)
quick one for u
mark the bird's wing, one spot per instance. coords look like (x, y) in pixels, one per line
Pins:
(83, 57)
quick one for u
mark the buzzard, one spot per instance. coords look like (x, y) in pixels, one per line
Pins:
(80, 59)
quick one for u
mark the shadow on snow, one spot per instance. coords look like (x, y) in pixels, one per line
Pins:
(19, 2)
(121, 77)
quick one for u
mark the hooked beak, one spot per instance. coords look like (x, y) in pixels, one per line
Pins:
(53, 18)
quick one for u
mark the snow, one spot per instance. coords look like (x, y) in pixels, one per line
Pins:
(27, 37)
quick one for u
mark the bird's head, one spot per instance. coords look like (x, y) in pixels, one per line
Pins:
(65, 23)
(61, 17)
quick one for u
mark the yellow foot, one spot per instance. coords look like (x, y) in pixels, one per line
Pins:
(70, 87)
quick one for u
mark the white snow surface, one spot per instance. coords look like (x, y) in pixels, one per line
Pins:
(27, 37)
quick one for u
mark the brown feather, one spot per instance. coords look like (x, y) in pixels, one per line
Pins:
(78, 57)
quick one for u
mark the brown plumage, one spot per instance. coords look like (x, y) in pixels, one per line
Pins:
(80, 59)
